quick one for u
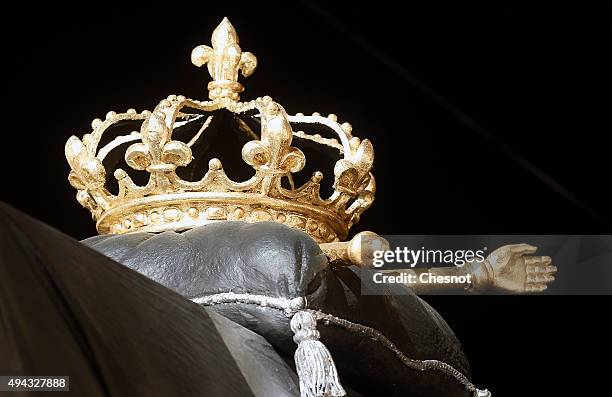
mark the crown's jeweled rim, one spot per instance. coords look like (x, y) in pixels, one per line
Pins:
(184, 211)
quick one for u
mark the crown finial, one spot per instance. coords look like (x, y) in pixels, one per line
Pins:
(224, 60)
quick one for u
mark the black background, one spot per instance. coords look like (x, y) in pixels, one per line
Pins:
(485, 118)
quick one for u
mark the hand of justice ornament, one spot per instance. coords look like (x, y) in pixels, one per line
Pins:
(510, 268)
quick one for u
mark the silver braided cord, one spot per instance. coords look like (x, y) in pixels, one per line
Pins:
(419, 365)
(292, 306)
(289, 306)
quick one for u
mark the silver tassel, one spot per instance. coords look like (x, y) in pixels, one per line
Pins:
(313, 362)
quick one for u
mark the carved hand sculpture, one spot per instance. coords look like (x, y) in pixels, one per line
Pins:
(513, 268)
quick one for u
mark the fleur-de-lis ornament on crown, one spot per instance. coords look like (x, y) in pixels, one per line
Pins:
(168, 202)
(224, 60)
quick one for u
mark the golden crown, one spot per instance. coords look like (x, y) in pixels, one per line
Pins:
(165, 200)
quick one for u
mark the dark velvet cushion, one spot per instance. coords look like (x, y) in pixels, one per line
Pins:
(66, 310)
(274, 260)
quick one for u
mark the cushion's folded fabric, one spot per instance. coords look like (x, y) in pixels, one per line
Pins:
(67, 310)
(274, 260)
